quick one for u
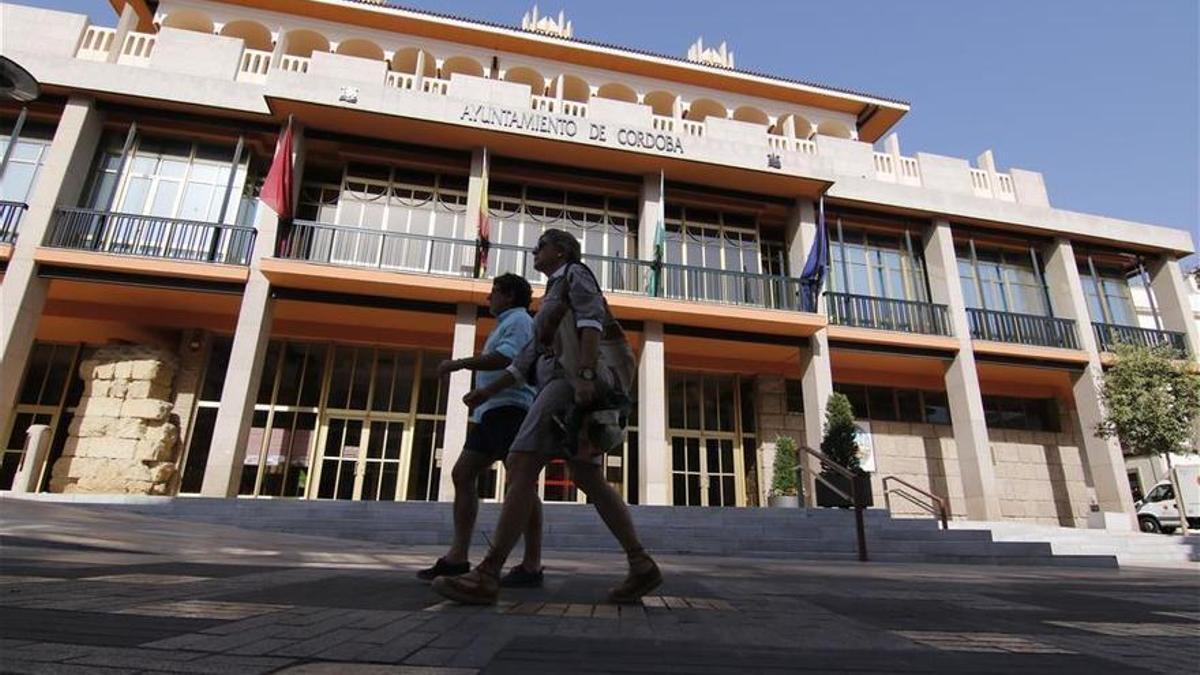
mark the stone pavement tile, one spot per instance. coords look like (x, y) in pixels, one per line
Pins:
(398, 649)
(260, 647)
(1134, 629)
(92, 628)
(221, 664)
(431, 656)
(318, 628)
(329, 668)
(204, 609)
(49, 651)
(982, 642)
(1194, 616)
(21, 667)
(389, 632)
(317, 644)
(147, 579)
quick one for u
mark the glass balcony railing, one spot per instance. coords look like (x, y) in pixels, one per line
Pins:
(1109, 335)
(1023, 329)
(863, 311)
(10, 220)
(150, 236)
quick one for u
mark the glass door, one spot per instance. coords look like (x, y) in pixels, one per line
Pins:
(341, 448)
(704, 471)
(361, 459)
(382, 461)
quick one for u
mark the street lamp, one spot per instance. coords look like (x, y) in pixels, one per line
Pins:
(16, 84)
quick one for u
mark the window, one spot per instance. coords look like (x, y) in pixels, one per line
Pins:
(700, 239)
(794, 396)
(1001, 280)
(1161, 493)
(1109, 297)
(876, 265)
(28, 156)
(886, 404)
(1028, 414)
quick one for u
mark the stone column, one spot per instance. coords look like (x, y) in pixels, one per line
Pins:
(962, 380)
(1171, 294)
(815, 362)
(654, 473)
(228, 450)
(1105, 460)
(23, 294)
(479, 168)
(457, 413)
(649, 211)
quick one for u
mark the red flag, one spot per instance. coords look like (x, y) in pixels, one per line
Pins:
(484, 243)
(277, 188)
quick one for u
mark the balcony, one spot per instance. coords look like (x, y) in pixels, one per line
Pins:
(1024, 329)
(1109, 335)
(150, 236)
(863, 311)
(10, 219)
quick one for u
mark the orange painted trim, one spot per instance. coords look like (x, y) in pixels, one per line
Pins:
(1029, 352)
(6, 251)
(109, 262)
(893, 338)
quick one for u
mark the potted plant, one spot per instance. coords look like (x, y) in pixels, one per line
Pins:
(840, 445)
(784, 491)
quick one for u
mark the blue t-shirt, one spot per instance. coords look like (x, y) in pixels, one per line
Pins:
(514, 329)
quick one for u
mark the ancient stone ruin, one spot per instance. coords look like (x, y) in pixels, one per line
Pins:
(124, 438)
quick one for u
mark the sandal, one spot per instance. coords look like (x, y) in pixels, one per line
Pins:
(636, 585)
(520, 577)
(473, 588)
(441, 568)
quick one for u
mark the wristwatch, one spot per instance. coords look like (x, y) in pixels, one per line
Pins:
(587, 374)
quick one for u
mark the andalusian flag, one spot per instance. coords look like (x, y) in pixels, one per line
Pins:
(484, 243)
(654, 282)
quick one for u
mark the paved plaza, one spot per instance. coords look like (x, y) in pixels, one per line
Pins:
(89, 591)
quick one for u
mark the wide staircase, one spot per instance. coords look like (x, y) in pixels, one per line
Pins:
(813, 534)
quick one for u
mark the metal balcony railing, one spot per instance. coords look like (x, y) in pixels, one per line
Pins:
(864, 311)
(1109, 335)
(150, 236)
(703, 284)
(621, 275)
(1024, 329)
(375, 249)
(10, 220)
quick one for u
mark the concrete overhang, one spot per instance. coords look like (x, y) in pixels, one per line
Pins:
(875, 114)
(151, 267)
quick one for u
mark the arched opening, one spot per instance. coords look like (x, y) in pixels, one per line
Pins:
(703, 108)
(617, 92)
(529, 76)
(254, 34)
(363, 49)
(461, 64)
(304, 42)
(751, 114)
(661, 102)
(802, 126)
(405, 61)
(834, 128)
(189, 19)
(575, 88)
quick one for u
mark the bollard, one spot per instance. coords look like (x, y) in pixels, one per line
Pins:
(37, 444)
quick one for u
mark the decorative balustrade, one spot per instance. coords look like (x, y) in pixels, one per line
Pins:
(981, 183)
(692, 128)
(150, 236)
(1004, 188)
(885, 168)
(10, 220)
(662, 123)
(1109, 335)
(294, 64)
(909, 171)
(1024, 329)
(432, 85)
(806, 146)
(864, 311)
(254, 66)
(406, 81)
(97, 43)
(137, 49)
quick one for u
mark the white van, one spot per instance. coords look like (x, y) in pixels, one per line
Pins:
(1159, 511)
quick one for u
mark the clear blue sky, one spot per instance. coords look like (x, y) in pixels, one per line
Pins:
(1101, 96)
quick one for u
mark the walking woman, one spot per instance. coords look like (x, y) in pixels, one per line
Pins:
(579, 359)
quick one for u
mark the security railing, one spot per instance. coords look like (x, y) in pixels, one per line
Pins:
(615, 273)
(854, 495)
(377, 249)
(704, 284)
(864, 311)
(150, 236)
(939, 507)
(10, 220)
(1023, 329)
(1108, 335)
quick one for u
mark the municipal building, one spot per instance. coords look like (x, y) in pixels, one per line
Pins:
(175, 337)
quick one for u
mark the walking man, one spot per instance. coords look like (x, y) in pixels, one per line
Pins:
(496, 424)
(580, 356)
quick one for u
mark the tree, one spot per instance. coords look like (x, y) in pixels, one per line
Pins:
(783, 478)
(840, 442)
(1151, 400)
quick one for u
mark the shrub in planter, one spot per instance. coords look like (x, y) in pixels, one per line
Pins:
(784, 490)
(840, 445)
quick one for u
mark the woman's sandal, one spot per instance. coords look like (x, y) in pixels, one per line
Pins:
(636, 584)
(473, 588)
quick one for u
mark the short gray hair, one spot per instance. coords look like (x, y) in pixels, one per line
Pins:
(563, 241)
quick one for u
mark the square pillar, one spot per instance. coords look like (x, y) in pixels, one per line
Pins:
(475, 183)
(817, 385)
(23, 294)
(654, 474)
(650, 208)
(1171, 294)
(962, 379)
(457, 413)
(222, 473)
(1106, 462)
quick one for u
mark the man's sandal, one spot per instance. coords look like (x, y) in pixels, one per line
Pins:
(473, 588)
(636, 585)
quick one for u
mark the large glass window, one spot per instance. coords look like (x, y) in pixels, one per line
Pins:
(28, 156)
(876, 265)
(889, 404)
(1029, 414)
(1001, 280)
(1108, 293)
(49, 391)
(716, 255)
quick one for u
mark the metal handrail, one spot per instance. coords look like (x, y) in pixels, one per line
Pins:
(1108, 335)
(1018, 328)
(942, 505)
(10, 220)
(854, 496)
(866, 311)
(150, 236)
